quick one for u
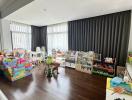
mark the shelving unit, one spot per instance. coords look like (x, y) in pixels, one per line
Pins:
(70, 58)
(84, 62)
(104, 68)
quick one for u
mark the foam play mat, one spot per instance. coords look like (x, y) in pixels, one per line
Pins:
(117, 92)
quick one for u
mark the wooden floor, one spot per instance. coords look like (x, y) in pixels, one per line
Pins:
(69, 85)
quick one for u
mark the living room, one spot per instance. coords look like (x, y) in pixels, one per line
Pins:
(65, 50)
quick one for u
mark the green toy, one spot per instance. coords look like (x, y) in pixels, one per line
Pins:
(49, 60)
(48, 70)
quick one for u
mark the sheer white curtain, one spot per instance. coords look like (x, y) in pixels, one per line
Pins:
(57, 37)
(21, 35)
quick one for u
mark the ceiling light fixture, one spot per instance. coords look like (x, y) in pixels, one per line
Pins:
(45, 10)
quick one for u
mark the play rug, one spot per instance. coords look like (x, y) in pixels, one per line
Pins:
(110, 95)
(2, 96)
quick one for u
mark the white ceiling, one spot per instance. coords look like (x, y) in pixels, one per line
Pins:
(46, 12)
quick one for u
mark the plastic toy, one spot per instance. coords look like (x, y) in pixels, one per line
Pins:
(108, 60)
(119, 86)
(1, 58)
(19, 52)
(49, 60)
(116, 81)
(48, 69)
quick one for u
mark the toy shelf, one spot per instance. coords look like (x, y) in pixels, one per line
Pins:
(84, 62)
(102, 73)
(104, 68)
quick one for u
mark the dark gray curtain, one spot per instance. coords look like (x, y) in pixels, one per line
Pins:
(43, 36)
(35, 37)
(107, 34)
(39, 37)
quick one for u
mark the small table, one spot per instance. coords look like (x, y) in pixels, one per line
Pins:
(60, 60)
(55, 66)
(53, 69)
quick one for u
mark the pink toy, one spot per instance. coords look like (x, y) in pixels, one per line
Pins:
(21, 60)
(1, 58)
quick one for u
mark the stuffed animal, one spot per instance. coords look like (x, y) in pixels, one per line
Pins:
(109, 60)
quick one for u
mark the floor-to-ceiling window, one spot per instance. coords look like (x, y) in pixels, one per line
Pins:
(57, 37)
(21, 35)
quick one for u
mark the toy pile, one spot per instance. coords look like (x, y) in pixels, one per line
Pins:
(118, 85)
(105, 67)
(48, 69)
(16, 66)
(51, 68)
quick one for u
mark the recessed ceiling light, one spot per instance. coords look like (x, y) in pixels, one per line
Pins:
(44, 9)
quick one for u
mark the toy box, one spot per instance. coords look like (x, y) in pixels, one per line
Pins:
(16, 68)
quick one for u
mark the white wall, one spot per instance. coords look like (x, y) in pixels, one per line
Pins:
(5, 34)
(130, 39)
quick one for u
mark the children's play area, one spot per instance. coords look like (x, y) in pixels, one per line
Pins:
(15, 64)
(65, 49)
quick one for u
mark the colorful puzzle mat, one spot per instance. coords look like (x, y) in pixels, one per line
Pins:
(127, 87)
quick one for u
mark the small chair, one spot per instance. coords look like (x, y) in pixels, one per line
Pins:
(36, 56)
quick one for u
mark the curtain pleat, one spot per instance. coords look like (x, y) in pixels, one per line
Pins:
(39, 37)
(107, 34)
(57, 37)
(21, 35)
(35, 37)
(43, 36)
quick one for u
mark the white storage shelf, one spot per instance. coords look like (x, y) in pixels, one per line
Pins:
(71, 65)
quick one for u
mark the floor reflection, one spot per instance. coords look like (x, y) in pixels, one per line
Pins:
(44, 88)
(69, 85)
(19, 95)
